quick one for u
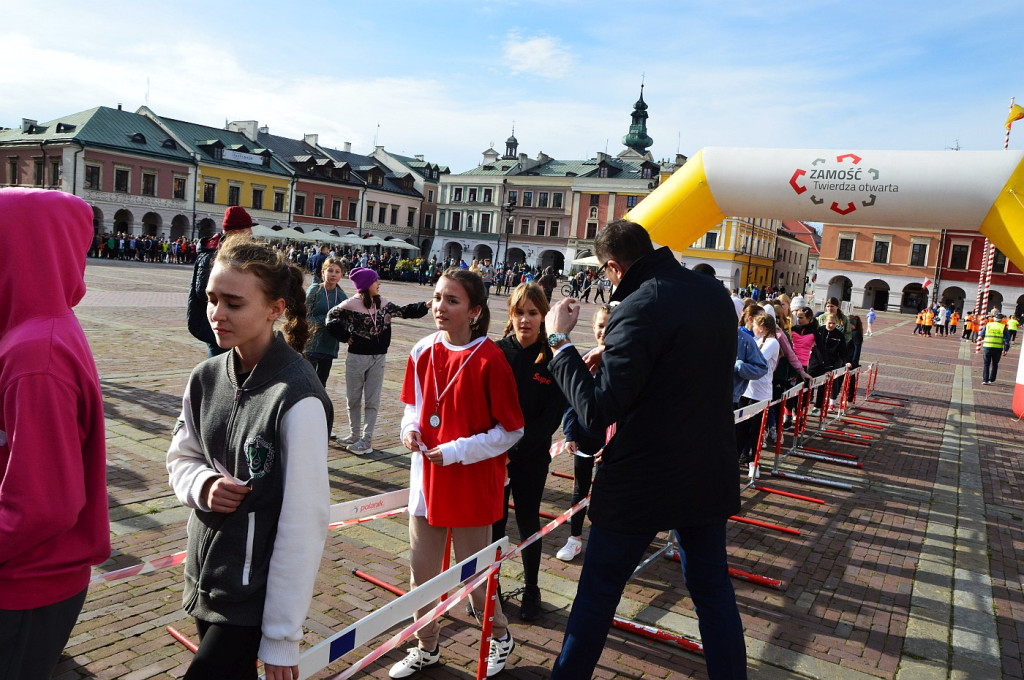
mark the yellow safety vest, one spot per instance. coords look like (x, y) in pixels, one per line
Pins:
(1013, 324)
(993, 335)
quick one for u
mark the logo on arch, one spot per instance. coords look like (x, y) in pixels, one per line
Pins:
(845, 182)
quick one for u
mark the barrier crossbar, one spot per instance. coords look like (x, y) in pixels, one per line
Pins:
(374, 624)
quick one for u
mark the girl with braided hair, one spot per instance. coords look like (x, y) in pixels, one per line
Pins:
(249, 456)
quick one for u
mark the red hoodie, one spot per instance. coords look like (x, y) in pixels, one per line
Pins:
(53, 497)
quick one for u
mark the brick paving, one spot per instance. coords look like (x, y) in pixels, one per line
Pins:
(859, 598)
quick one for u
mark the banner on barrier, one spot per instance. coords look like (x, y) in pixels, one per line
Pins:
(363, 507)
(362, 631)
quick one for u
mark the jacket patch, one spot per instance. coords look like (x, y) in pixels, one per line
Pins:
(177, 426)
(259, 454)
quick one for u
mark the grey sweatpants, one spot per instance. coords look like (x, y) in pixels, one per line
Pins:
(364, 377)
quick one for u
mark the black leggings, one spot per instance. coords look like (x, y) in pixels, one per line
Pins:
(582, 477)
(225, 652)
(322, 368)
(31, 640)
(526, 486)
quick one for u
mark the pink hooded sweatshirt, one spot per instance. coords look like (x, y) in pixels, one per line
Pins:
(53, 495)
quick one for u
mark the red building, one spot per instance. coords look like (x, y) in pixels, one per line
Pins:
(959, 269)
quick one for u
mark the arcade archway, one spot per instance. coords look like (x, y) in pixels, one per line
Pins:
(876, 294)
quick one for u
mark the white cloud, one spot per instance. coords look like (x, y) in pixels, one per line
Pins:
(541, 55)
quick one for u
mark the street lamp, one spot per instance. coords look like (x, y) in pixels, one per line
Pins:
(508, 208)
(743, 251)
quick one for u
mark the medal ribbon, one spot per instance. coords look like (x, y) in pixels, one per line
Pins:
(433, 366)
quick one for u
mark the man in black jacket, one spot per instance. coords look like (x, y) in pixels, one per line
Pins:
(236, 221)
(665, 379)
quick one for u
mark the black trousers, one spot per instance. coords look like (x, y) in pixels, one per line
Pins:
(526, 487)
(582, 478)
(322, 368)
(225, 652)
(31, 640)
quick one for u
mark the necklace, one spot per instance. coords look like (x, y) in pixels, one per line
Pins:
(327, 294)
(435, 419)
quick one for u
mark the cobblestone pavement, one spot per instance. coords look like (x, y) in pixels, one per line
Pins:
(913, 574)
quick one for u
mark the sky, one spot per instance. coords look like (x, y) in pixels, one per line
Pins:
(448, 78)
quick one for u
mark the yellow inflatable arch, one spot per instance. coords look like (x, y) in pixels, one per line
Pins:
(970, 190)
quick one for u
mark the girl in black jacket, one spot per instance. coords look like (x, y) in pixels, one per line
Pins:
(829, 353)
(526, 348)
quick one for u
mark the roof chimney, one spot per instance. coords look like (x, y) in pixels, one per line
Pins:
(118, 106)
(311, 139)
(347, 147)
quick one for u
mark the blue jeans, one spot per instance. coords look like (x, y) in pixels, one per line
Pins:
(610, 560)
(991, 357)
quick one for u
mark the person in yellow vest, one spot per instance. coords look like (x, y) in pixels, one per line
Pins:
(1012, 324)
(954, 321)
(929, 319)
(995, 343)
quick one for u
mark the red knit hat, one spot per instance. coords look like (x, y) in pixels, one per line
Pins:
(236, 217)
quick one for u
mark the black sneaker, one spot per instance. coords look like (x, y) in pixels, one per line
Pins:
(531, 609)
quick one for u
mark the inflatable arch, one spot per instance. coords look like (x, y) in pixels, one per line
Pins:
(968, 190)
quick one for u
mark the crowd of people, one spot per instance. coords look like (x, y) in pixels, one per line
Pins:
(248, 452)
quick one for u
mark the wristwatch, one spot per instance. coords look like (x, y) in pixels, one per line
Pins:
(555, 338)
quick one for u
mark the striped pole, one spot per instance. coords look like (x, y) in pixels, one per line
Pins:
(1006, 142)
(988, 284)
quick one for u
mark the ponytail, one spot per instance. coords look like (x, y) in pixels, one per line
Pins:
(296, 327)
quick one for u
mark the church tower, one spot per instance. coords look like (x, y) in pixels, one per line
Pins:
(511, 146)
(637, 138)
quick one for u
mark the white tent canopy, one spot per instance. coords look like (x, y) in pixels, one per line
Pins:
(588, 261)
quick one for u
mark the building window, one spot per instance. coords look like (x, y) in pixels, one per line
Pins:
(881, 255)
(394, 214)
(524, 226)
(54, 173)
(485, 223)
(918, 254)
(631, 201)
(845, 249)
(121, 180)
(12, 172)
(148, 184)
(542, 199)
(527, 199)
(234, 195)
(472, 195)
(487, 195)
(469, 221)
(602, 171)
(541, 226)
(92, 176)
(591, 230)
(556, 200)
(456, 221)
(430, 196)
(369, 212)
(209, 192)
(39, 173)
(336, 209)
(382, 213)
(645, 173)
(257, 199)
(278, 201)
(958, 256)
(352, 207)
(711, 240)
(457, 198)
(595, 199)
(411, 219)
(300, 204)
(513, 197)
(179, 187)
(998, 263)
(553, 231)
(428, 221)
(318, 206)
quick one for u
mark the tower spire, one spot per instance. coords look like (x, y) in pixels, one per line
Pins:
(637, 137)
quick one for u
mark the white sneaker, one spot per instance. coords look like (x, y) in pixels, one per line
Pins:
(500, 649)
(569, 551)
(417, 659)
(349, 440)
(360, 448)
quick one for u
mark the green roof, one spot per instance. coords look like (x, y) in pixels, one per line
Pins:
(199, 136)
(103, 127)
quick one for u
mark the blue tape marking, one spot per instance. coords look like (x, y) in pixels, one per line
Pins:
(468, 570)
(343, 645)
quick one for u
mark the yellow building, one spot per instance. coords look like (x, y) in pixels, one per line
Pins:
(232, 169)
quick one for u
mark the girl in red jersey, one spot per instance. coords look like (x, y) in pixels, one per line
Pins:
(461, 415)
